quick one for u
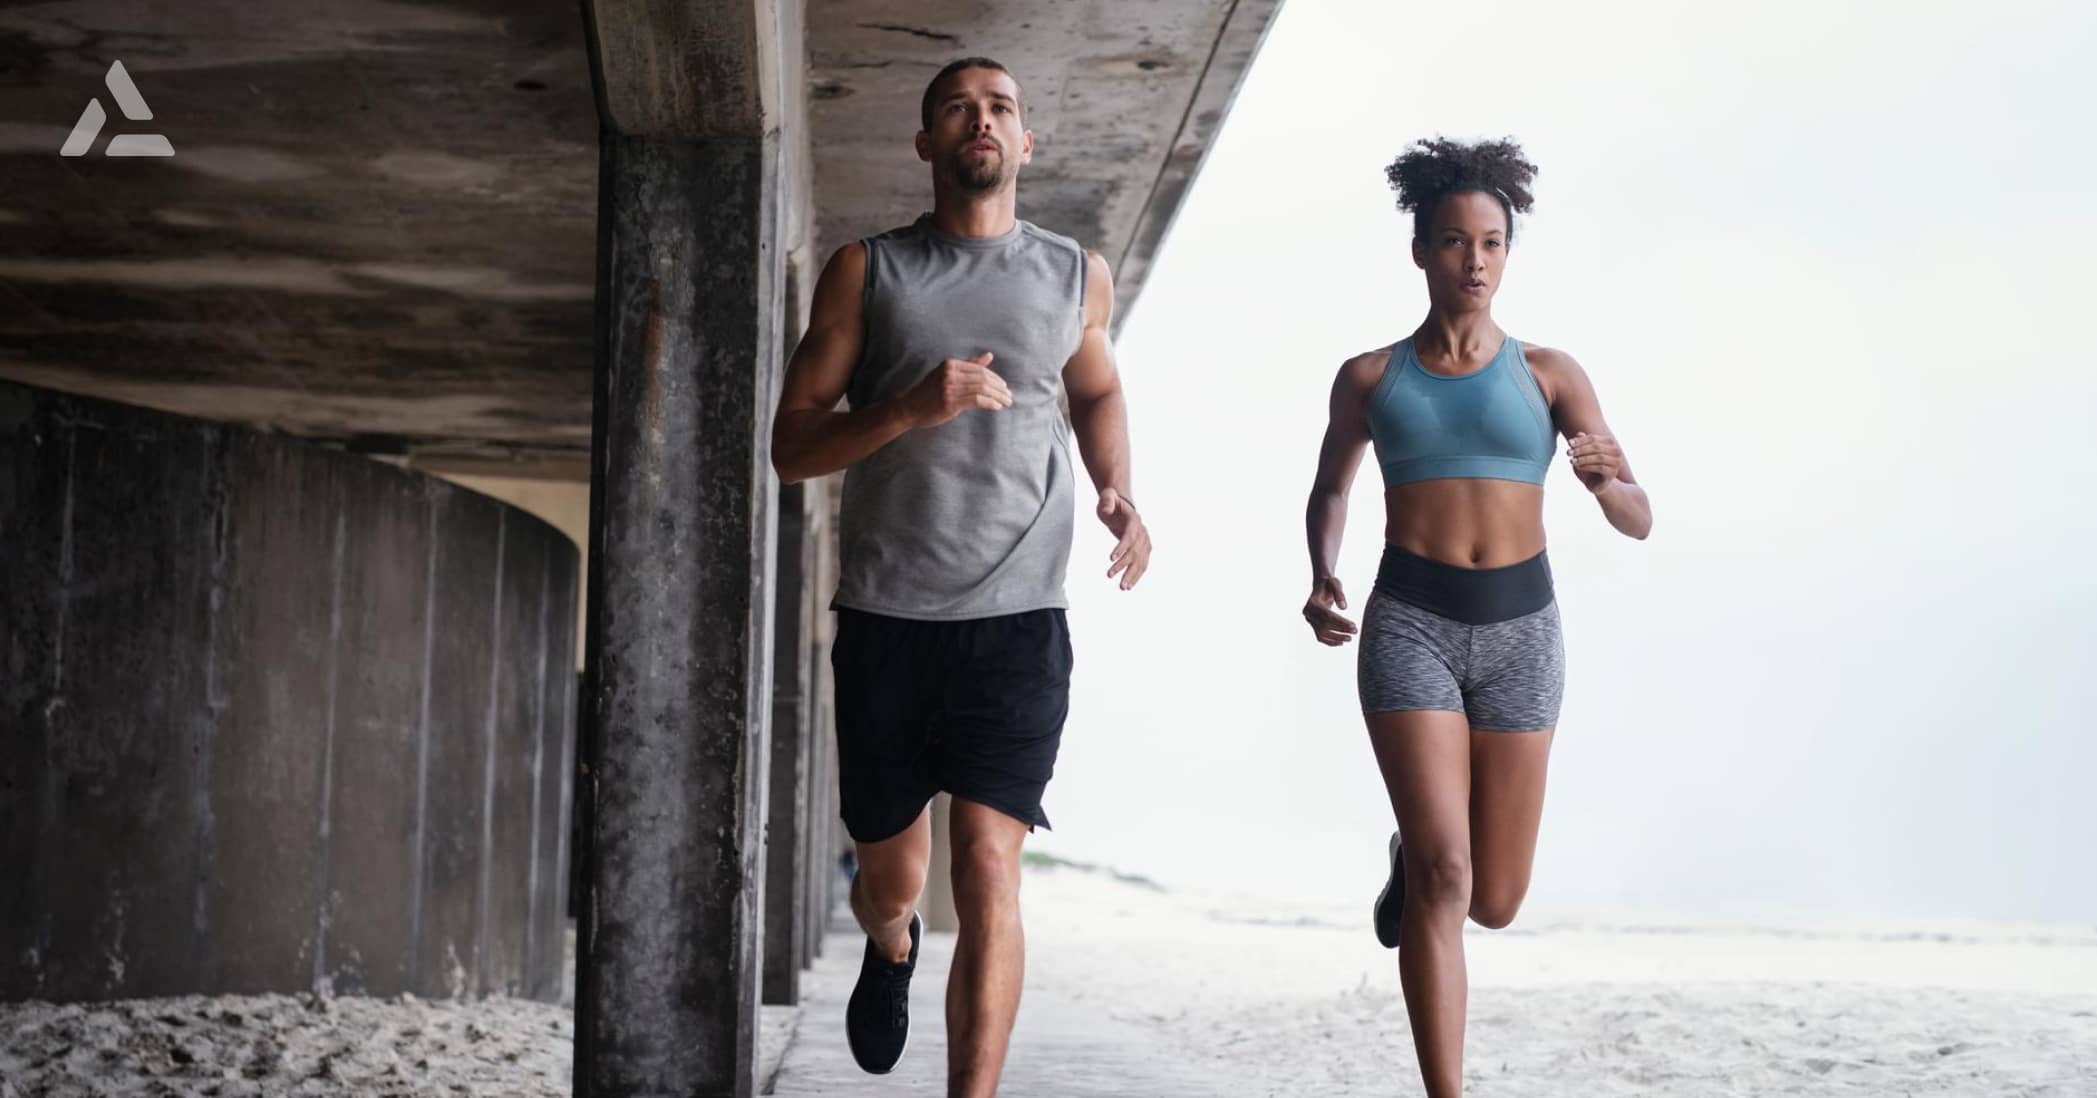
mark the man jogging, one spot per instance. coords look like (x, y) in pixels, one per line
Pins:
(954, 340)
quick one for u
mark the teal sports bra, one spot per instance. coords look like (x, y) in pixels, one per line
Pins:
(1490, 423)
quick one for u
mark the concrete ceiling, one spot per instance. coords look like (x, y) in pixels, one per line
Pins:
(378, 228)
(1123, 96)
(378, 225)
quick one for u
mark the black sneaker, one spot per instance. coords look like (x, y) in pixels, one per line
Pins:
(877, 1019)
(1390, 906)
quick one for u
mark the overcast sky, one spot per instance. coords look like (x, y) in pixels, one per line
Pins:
(1828, 270)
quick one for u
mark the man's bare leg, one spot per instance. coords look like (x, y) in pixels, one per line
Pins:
(990, 951)
(890, 878)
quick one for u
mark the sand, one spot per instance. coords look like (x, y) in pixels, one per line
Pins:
(252, 1046)
(1133, 991)
(1136, 992)
(1746, 1039)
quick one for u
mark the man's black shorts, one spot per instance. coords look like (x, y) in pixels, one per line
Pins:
(974, 707)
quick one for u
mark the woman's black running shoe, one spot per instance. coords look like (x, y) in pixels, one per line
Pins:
(1390, 906)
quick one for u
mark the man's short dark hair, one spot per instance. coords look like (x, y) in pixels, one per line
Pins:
(966, 63)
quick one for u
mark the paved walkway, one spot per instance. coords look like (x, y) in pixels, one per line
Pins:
(1068, 1043)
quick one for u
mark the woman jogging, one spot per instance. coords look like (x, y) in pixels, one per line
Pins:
(1461, 665)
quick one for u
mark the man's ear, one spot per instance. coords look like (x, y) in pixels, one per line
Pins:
(924, 146)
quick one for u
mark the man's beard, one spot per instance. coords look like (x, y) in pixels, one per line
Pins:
(985, 174)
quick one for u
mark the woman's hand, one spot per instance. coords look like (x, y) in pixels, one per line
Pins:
(1331, 627)
(1596, 459)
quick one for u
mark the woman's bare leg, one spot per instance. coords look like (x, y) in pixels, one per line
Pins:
(1425, 756)
(1507, 805)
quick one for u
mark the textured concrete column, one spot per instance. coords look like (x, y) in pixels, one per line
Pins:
(680, 643)
(821, 867)
(936, 902)
(815, 912)
(787, 831)
(824, 827)
(823, 832)
(821, 862)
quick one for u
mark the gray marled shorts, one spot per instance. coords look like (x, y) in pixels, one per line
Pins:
(1508, 676)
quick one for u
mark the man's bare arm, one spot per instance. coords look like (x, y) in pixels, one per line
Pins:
(810, 437)
(1098, 413)
(1099, 416)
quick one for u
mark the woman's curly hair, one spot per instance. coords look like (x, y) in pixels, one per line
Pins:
(1430, 170)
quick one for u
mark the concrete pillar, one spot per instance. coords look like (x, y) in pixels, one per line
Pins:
(822, 859)
(822, 826)
(680, 630)
(821, 865)
(787, 832)
(936, 903)
(825, 830)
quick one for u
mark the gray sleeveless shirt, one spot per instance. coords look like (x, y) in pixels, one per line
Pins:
(972, 518)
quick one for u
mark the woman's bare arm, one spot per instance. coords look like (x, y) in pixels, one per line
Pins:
(1325, 518)
(1591, 448)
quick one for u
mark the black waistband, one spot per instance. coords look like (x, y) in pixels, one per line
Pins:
(1474, 596)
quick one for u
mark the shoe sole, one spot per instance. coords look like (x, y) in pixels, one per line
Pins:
(1393, 882)
(882, 1071)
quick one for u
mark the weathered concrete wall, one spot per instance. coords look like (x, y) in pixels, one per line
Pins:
(271, 717)
(563, 505)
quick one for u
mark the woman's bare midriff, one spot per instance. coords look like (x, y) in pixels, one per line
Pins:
(1469, 523)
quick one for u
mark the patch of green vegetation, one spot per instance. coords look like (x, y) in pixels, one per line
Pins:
(1040, 860)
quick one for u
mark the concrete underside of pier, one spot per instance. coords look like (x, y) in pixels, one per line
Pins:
(379, 226)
